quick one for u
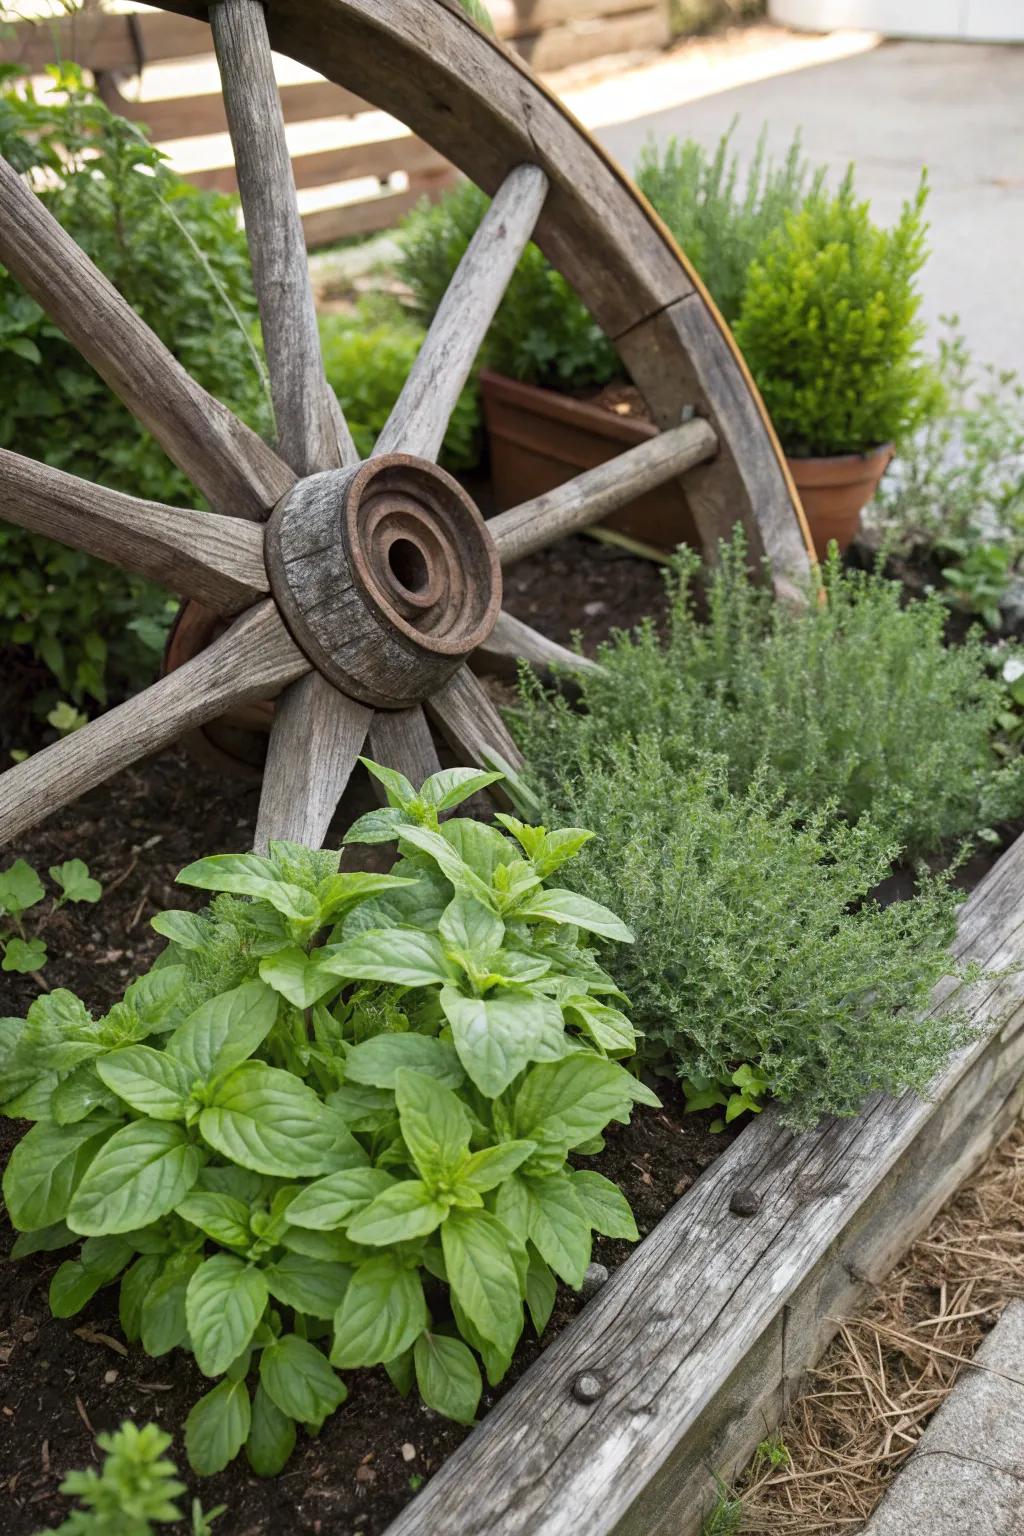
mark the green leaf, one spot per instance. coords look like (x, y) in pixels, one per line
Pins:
(139, 1175)
(380, 826)
(447, 789)
(217, 1427)
(448, 1376)
(266, 1119)
(401, 956)
(77, 1095)
(558, 1227)
(471, 928)
(46, 1240)
(186, 929)
(340, 894)
(401, 1373)
(150, 1081)
(499, 1035)
(483, 1275)
(221, 1217)
(297, 976)
(77, 1280)
(435, 1125)
(315, 1286)
(20, 888)
(451, 863)
(541, 1291)
(247, 874)
(381, 1315)
(46, 1168)
(493, 1165)
(399, 791)
(608, 1027)
(561, 1104)
(299, 1380)
(332, 1201)
(397, 1215)
(134, 1289)
(225, 1031)
(24, 955)
(579, 911)
(75, 881)
(226, 1299)
(377, 1062)
(271, 1436)
(163, 1323)
(604, 1205)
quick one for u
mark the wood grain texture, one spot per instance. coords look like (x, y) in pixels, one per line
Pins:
(329, 225)
(254, 659)
(469, 722)
(235, 470)
(312, 434)
(402, 739)
(421, 415)
(315, 743)
(185, 117)
(675, 1325)
(511, 640)
(217, 560)
(376, 157)
(600, 491)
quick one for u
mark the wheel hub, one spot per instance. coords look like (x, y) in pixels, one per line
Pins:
(386, 576)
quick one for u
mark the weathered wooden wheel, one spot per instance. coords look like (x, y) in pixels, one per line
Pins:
(360, 590)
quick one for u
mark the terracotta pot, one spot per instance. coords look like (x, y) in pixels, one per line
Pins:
(540, 438)
(834, 492)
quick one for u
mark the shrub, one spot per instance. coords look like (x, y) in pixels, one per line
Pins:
(135, 1490)
(853, 702)
(330, 1155)
(761, 966)
(542, 333)
(367, 356)
(829, 326)
(180, 260)
(721, 229)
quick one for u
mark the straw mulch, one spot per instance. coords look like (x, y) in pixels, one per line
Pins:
(889, 1368)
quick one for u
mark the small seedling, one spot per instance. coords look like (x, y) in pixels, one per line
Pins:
(136, 1488)
(726, 1516)
(22, 891)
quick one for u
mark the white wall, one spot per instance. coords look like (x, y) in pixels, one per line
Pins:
(991, 21)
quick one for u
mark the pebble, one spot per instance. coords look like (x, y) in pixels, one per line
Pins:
(408, 1452)
(110, 1377)
(595, 1277)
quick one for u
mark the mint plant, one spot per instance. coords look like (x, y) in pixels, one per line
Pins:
(331, 1127)
(136, 1488)
(21, 891)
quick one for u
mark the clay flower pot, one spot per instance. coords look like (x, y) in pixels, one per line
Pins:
(834, 492)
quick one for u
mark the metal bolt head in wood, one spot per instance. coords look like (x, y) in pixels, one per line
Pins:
(588, 1387)
(386, 576)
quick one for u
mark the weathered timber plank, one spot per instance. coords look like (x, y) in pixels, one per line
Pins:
(315, 743)
(578, 42)
(602, 490)
(254, 659)
(672, 1331)
(102, 41)
(218, 560)
(471, 725)
(402, 739)
(192, 117)
(377, 157)
(419, 420)
(236, 471)
(511, 641)
(331, 224)
(312, 434)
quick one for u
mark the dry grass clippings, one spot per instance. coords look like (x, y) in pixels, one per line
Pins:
(890, 1367)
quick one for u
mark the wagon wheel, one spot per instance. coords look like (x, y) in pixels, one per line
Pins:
(357, 591)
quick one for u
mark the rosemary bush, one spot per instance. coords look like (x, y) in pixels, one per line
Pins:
(760, 962)
(853, 702)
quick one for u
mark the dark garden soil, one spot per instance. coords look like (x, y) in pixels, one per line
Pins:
(61, 1380)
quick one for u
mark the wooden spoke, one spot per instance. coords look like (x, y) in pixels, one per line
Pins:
(511, 640)
(602, 490)
(315, 742)
(401, 739)
(470, 723)
(254, 659)
(235, 470)
(312, 434)
(217, 560)
(418, 422)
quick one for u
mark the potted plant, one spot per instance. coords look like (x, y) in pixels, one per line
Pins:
(554, 395)
(829, 327)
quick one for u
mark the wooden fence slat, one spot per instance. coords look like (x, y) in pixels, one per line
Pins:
(328, 225)
(380, 157)
(191, 117)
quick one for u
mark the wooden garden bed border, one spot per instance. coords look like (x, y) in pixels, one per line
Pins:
(699, 1341)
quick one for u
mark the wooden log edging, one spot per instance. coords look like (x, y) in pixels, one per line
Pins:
(699, 1341)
